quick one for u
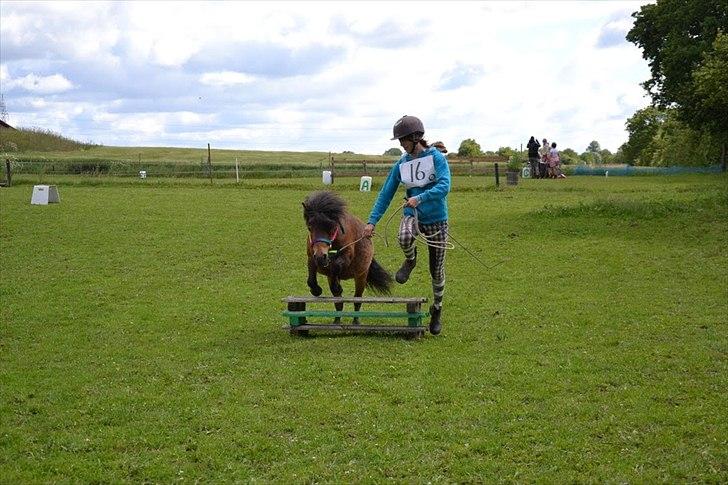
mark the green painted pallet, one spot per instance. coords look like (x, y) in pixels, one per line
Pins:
(298, 315)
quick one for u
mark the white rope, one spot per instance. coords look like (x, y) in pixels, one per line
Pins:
(417, 235)
(446, 245)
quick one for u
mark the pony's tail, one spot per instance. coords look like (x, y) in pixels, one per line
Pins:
(378, 279)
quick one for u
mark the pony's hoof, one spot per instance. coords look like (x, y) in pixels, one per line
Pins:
(356, 321)
(316, 291)
(337, 321)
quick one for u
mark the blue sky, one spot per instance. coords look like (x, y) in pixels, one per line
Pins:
(321, 76)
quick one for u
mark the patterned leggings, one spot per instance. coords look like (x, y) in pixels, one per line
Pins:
(437, 233)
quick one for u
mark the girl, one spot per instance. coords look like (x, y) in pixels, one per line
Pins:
(425, 173)
(554, 161)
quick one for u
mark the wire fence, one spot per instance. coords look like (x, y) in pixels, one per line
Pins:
(115, 168)
(231, 170)
(629, 170)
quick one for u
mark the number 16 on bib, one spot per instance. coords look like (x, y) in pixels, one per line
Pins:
(418, 172)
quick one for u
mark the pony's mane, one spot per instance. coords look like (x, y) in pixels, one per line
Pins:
(324, 208)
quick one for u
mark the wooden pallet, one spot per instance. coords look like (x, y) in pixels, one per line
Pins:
(298, 315)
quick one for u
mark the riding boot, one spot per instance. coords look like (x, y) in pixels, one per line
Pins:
(404, 271)
(435, 321)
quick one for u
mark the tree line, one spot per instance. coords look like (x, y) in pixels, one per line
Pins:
(594, 154)
(686, 46)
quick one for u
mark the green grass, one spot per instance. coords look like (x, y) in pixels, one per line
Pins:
(39, 140)
(79, 153)
(141, 338)
(178, 162)
(40, 152)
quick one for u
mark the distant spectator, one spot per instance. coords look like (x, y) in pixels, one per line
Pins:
(440, 146)
(533, 146)
(554, 161)
(543, 163)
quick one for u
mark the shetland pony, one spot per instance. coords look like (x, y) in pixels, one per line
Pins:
(336, 248)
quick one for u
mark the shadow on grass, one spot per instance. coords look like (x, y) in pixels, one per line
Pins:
(365, 334)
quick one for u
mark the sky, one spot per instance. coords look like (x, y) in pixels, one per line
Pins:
(322, 76)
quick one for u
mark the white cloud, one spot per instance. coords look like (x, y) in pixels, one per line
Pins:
(329, 75)
(38, 103)
(55, 83)
(225, 78)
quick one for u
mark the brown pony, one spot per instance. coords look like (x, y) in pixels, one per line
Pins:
(336, 248)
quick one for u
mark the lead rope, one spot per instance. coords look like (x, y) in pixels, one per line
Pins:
(423, 238)
(428, 240)
(386, 224)
(337, 251)
(436, 244)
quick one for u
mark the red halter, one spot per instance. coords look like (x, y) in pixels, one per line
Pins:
(324, 240)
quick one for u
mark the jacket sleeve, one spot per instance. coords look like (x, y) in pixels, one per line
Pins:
(442, 184)
(385, 195)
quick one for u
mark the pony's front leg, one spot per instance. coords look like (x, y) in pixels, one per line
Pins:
(312, 281)
(337, 291)
(360, 282)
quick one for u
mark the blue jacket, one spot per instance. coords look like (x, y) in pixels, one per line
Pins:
(434, 185)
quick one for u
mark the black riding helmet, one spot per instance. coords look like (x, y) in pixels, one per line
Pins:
(408, 125)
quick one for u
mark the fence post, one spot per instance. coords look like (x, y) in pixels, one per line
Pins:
(237, 174)
(332, 168)
(497, 180)
(209, 162)
(7, 172)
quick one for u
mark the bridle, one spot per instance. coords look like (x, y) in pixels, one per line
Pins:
(328, 241)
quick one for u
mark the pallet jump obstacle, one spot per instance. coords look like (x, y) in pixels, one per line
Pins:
(298, 315)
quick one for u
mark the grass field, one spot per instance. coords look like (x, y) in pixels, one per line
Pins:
(141, 339)
(44, 153)
(182, 155)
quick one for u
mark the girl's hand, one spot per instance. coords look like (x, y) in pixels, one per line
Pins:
(412, 202)
(368, 230)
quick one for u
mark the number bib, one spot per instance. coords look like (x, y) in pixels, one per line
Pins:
(418, 172)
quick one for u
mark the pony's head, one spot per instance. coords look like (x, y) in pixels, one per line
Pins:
(323, 212)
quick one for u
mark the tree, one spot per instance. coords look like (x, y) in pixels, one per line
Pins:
(393, 152)
(591, 158)
(711, 86)
(676, 143)
(507, 152)
(660, 137)
(606, 156)
(673, 35)
(679, 39)
(618, 157)
(593, 153)
(569, 156)
(642, 128)
(469, 148)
